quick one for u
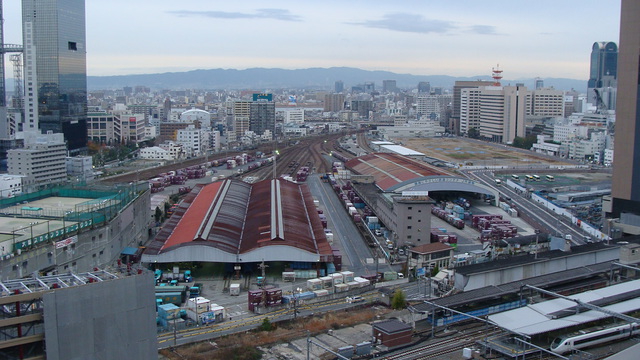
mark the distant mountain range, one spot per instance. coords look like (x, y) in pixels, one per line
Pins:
(261, 79)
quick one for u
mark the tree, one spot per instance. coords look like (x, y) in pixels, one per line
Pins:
(473, 133)
(524, 143)
(399, 300)
(435, 270)
(158, 214)
(266, 325)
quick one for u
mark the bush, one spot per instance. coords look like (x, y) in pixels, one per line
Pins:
(266, 325)
(399, 300)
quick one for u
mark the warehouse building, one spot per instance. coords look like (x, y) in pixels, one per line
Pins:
(397, 189)
(230, 221)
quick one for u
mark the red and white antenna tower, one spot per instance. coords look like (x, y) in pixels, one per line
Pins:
(496, 75)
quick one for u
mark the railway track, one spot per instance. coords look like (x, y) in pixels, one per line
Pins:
(436, 350)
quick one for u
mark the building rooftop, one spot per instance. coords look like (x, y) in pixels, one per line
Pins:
(239, 218)
(389, 169)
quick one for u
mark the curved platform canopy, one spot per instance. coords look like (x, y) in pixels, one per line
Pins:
(442, 183)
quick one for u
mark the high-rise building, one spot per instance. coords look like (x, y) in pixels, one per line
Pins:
(333, 102)
(603, 74)
(389, 86)
(457, 87)
(625, 191)
(339, 86)
(497, 112)
(424, 87)
(262, 117)
(58, 33)
(539, 83)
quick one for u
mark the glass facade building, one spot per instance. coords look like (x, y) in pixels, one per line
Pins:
(604, 64)
(61, 67)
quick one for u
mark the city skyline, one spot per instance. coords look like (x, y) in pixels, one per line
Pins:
(421, 38)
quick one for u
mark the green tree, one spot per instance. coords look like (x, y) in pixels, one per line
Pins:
(399, 300)
(435, 270)
(158, 214)
(266, 325)
(473, 133)
(524, 142)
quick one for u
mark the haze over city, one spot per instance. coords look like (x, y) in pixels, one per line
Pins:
(528, 39)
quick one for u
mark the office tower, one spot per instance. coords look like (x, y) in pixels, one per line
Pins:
(625, 189)
(389, 86)
(60, 66)
(339, 86)
(457, 88)
(424, 87)
(603, 75)
(539, 83)
(497, 112)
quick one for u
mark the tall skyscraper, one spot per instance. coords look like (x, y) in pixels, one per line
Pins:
(625, 191)
(424, 87)
(603, 74)
(339, 86)
(58, 33)
(389, 86)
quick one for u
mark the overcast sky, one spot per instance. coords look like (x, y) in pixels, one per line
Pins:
(545, 38)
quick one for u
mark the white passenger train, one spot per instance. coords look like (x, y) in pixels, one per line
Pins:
(576, 341)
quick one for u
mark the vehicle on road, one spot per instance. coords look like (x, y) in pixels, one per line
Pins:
(377, 232)
(355, 299)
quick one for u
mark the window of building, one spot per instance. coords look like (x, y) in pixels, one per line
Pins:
(409, 227)
(73, 46)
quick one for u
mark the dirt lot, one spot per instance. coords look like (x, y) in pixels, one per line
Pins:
(461, 150)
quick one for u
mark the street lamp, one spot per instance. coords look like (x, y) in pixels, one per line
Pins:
(295, 303)
(275, 156)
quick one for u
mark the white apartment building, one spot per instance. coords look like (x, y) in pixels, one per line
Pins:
(295, 130)
(192, 140)
(154, 153)
(502, 112)
(176, 151)
(150, 132)
(10, 185)
(562, 133)
(295, 116)
(41, 161)
(469, 109)
(543, 147)
(80, 167)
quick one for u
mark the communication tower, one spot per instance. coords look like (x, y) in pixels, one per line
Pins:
(496, 75)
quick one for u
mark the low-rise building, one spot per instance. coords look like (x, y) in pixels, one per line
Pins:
(392, 333)
(430, 256)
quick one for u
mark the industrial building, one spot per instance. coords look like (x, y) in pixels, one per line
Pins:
(397, 189)
(97, 314)
(230, 221)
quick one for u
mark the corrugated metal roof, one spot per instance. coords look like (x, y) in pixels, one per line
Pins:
(237, 217)
(391, 169)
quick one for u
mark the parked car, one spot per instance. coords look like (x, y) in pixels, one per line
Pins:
(377, 232)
